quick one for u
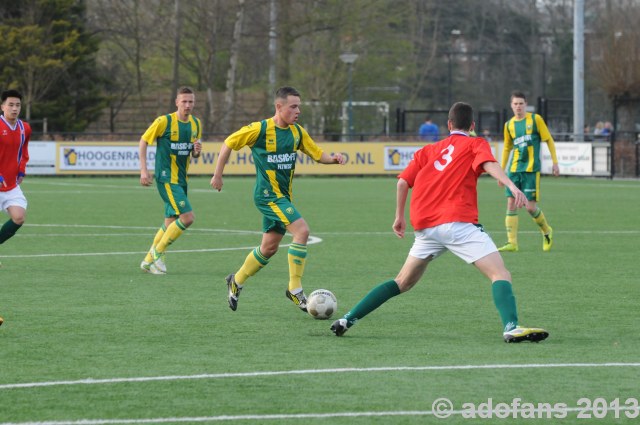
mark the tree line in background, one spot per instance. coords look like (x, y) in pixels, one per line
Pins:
(77, 61)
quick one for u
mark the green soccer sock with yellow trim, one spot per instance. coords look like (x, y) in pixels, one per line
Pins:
(541, 221)
(374, 299)
(296, 256)
(511, 223)
(173, 232)
(252, 264)
(505, 303)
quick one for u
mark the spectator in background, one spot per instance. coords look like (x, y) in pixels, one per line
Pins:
(486, 134)
(598, 129)
(429, 131)
(607, 129)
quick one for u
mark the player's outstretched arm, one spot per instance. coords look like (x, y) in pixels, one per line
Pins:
(334, 158)
(223, 157)
(400, 223)
(145, 177)
(495, 171)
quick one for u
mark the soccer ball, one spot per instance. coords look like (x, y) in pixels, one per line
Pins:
(321, 304)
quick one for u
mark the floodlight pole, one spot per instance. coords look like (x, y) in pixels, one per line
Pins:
(578, 70)
(349, 59)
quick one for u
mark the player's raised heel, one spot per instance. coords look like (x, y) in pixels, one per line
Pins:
(547, 240)
(1, 321)
(509, 247)
(339, 327)
(520, 334)
(234, 291)
(299, 299)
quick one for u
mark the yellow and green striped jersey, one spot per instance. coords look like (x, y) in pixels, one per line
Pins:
(524, 137)
(175, 140)
(274, 150)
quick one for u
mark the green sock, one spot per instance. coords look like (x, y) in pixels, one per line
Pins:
(8, 229)
(506, 303)
(374, 299)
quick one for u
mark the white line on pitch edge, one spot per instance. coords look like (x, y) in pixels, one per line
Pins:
(91, 381)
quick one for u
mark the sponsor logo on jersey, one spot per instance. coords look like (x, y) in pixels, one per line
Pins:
(522, 140)
(282, 158)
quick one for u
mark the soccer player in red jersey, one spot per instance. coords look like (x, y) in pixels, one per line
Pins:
(14, 139)
(444, 213)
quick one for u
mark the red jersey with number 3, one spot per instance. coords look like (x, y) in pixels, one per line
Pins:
(443, 177)
(13, 151)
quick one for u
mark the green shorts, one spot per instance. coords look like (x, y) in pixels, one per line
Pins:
(175, 199)
(277, 215)
(528, 183)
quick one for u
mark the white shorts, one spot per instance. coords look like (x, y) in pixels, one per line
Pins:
(465, 240)
(13, 198)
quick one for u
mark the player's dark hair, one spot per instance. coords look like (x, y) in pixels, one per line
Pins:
(284, 92)
(11, 93)
(461, 116)
(185, 90)
(518, 94)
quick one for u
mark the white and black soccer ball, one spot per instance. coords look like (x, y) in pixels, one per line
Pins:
(321, 304)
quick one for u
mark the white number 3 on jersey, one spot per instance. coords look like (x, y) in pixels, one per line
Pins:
(445, 160)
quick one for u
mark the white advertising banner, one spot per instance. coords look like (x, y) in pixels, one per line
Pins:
(574, 159)
(396, 158)
(92, 158)
(42, 158)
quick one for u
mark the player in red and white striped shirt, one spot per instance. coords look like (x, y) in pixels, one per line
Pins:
(14, 140)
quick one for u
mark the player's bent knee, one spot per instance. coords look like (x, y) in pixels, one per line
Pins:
(18, 219)
(187, 219)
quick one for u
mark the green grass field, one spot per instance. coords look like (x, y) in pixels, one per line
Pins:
(90, 339)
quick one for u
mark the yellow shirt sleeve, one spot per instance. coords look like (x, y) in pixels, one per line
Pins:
(545, 136)
(199, 136)
(246, 136)
(507, 147)
(155, 130)
(308, 146)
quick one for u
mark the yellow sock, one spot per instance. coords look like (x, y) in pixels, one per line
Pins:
(297, 256)
(252, 264)
(541, 221)
(149, 258)
(172, 233)
(511, 223)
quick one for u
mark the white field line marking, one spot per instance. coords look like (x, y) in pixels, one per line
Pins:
(102, 226)
(312, 240)
(90, 381)
(235, 231)
(539, 412)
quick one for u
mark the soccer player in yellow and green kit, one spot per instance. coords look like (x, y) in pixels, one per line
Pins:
(523, 134)
(274, 144)
(178, 138)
